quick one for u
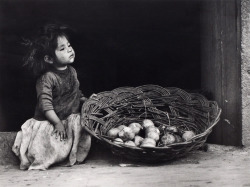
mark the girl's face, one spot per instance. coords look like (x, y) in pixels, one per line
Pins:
(64, 53)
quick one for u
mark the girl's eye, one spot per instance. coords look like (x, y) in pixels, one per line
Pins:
(61, 49)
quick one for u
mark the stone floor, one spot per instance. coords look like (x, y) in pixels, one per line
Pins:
(219, 166)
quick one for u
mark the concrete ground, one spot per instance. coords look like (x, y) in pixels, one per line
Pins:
(219, 166)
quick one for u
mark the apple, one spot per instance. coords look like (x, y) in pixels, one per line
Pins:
(136, 127)
(153, 135)
(138, 140)
(147, 123)
(113, 133)
(130, 143)
(188, 135)
(118, 141)
(167, 139)
(126, 134)
(148, 142)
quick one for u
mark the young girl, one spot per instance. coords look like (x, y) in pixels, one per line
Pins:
(55, 132)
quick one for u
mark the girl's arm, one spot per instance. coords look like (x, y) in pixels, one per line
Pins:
(44, 87)
(59, 129)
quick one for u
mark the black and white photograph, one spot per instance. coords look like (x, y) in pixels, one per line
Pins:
(114, 93)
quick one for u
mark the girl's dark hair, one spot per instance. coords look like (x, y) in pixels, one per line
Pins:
(43, 43)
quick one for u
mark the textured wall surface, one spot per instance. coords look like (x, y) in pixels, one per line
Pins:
(245, 44)
(6, 155)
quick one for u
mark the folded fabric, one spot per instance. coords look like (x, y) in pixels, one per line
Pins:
(37, 149)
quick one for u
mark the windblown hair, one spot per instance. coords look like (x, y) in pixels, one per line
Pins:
(43, 43)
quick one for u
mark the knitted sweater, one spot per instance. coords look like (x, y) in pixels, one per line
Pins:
(58, 90)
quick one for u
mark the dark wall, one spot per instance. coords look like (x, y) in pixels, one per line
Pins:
(117, 43)
(221, 59)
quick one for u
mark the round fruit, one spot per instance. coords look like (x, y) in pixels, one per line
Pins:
(113, 133)
(177, 138)
(172, 129)
(138, 140)
(153, 135)
(136, 127)
(130, 143)
(148, 142)
(118, 141)
(188, 135)
(126, 134)
(120, 127)
(146, 123)
(167, 139)
(152, 129)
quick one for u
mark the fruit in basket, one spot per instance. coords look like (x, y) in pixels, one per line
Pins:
(126, 134)
(113, 133)
(187, 135)
(130, 143)
(147, 123)
(167, 139)
(152, 129)
(118, 141)
(120, 127)
(172, 129)
(136, 127)
(152, 132)
(178, 139)
(138, 140)
(148, 142)
(153, 135)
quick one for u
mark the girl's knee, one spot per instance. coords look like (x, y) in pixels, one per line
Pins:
(17, 143)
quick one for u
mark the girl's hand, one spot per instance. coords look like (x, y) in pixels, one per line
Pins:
(59, 130)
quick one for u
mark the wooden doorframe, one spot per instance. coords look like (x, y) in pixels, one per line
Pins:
(221, 66)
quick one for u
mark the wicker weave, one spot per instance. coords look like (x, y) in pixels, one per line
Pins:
(164, 106)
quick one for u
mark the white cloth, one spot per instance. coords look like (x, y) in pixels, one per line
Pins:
(37, 149)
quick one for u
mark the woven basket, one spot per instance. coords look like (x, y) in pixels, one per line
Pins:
(164, 106)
